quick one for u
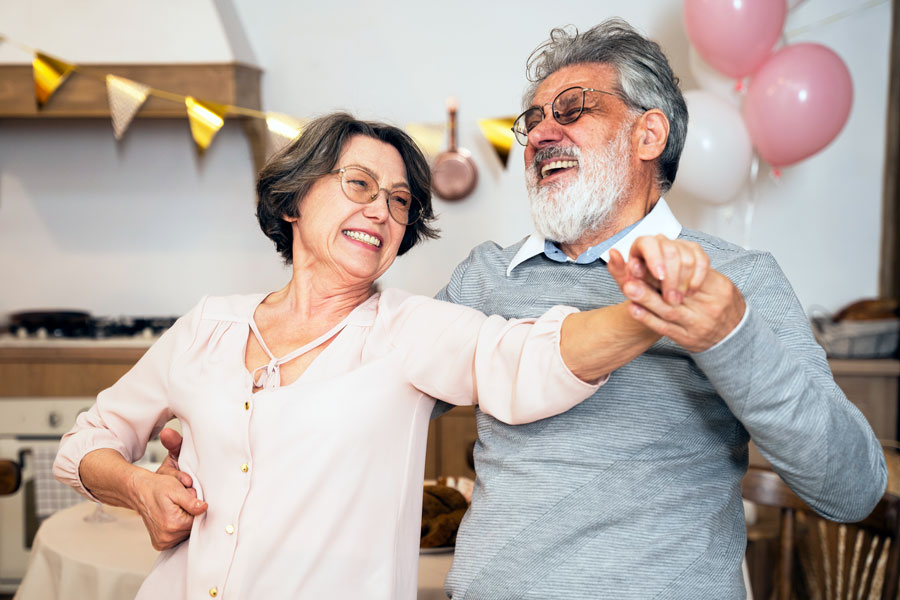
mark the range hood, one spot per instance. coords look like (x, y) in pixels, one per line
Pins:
(192, 48)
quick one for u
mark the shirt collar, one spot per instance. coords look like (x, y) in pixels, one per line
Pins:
(659, 220)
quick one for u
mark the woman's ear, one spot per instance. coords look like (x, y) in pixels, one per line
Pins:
(290, 219)
(651, 133)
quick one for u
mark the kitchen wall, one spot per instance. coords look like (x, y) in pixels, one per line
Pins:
(146, 227)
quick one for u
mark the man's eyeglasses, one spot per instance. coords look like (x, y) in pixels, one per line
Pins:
(566, 108)
(360, 187)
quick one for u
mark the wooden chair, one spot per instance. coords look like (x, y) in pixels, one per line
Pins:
(834, 561)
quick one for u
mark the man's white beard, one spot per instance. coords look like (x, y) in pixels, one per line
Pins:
(565, 213)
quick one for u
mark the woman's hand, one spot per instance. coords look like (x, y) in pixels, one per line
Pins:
(694, 306)
(676, 268)
(167, 507)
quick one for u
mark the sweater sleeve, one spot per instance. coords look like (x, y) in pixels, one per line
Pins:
(776, 380)
(511, 368)
(127, 415)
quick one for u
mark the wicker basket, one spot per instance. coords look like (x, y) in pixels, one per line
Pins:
(857, 339)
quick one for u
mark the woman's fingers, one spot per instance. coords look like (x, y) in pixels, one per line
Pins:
(678, 267)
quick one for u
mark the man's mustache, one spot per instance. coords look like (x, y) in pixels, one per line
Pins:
(552, 152)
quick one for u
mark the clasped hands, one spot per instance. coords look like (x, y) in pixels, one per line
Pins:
(674, 292)
(671, 289)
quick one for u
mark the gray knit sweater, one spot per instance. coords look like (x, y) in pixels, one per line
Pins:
(635, 493)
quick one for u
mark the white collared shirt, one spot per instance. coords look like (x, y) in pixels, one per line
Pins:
(659, 220)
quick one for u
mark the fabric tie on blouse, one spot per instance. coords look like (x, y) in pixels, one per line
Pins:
(268, 376)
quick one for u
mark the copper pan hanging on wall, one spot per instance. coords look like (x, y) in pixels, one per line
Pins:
(453, 174)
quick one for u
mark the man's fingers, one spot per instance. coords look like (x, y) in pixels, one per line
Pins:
(641, 293)
(185, 480)
(648, 249)
(190, 503)
(171, 441)
(701, 268)
(653, 322)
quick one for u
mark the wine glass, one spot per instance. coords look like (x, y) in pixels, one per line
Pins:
(99, 515)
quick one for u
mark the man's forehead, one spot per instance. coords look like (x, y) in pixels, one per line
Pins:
(600, 76)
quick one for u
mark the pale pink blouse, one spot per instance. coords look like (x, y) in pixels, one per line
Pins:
(315, 488)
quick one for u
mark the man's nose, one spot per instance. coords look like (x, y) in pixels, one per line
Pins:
(547, 132)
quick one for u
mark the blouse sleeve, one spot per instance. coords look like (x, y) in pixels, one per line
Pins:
(128, 414)
(511, 368)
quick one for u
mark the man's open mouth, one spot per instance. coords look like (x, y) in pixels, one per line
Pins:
(556, 166)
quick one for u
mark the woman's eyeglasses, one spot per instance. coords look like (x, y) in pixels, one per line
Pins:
(360, 187)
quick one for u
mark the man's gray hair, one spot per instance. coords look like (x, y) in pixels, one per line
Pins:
(645, 79)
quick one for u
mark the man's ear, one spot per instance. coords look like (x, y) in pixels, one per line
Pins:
(651, 134)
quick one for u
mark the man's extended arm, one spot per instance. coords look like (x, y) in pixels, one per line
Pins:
(775, 378)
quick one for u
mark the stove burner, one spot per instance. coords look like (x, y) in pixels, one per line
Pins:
(78, 324)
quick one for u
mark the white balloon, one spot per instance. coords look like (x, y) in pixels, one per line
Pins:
(711, 80)
(717, 156)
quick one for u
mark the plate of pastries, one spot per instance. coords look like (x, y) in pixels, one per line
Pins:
(443, 508)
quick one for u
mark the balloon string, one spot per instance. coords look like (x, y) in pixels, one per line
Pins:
(751, 200)
(833, 18)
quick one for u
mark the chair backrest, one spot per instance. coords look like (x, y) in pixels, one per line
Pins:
(836, 561)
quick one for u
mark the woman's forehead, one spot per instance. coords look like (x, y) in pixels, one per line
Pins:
(381, 158)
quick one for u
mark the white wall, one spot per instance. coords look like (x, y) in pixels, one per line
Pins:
(145, 227)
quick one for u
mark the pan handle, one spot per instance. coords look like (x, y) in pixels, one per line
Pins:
(452, 107)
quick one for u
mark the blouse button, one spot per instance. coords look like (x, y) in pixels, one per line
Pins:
(213, 592)
(229, 529)
(245, 467)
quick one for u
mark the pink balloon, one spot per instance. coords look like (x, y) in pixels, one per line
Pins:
(797, 102)
(734, 36)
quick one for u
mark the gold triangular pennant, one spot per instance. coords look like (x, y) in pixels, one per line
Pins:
(428, 136)
(49, 74)
(499, 133)
(126, 97)
(283, 129)
(206, 120)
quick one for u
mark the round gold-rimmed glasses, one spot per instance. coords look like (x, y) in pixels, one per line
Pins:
(360, 187)
(565, 108)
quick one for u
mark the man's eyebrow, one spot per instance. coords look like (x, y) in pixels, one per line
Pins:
(374, 175)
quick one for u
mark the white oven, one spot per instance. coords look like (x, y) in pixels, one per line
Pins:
(31, 427)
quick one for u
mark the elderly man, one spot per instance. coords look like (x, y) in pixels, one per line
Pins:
(636, 492)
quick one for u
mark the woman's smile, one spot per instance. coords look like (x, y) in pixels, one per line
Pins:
(362, 237)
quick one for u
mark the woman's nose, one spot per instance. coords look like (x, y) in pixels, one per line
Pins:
(377, 209)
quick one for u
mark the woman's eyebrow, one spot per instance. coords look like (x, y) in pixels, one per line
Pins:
(374, 175)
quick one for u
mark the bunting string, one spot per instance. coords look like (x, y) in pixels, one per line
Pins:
(127, 97)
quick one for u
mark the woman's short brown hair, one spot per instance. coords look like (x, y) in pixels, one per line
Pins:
(287, 176)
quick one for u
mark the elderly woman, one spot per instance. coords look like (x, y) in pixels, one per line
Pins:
(305, 411)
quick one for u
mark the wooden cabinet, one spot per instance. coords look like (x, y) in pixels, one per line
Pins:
(63, 370)
(449, 439)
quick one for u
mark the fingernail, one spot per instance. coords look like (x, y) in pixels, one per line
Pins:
(660, 273)
(632, 290)
(673, 297)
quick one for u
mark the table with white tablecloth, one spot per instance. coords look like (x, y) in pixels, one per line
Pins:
(74, 559)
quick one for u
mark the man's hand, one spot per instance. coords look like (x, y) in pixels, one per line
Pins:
(702, 319)
(167, 507)
(168, 503)
(171, 441)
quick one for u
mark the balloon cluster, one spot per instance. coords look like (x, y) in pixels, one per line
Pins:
(797, 100)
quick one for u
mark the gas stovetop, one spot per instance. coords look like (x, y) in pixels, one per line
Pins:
(43, 325)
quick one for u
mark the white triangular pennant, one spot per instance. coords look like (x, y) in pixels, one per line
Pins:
(126, 97)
